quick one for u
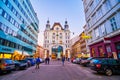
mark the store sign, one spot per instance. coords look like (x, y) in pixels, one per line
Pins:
(107, 40)
(84, 36)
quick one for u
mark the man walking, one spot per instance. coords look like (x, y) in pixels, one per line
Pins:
(63, 60)
(37, 63)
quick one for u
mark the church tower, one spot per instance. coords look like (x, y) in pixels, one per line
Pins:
(66, 26)
(48, 25)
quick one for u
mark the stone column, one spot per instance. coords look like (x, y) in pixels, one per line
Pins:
(68, 53)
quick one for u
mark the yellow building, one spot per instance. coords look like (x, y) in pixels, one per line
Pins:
(83, 46)
(79, 47)
(76, 49)
(39, 52)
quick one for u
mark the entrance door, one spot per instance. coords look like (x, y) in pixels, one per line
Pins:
(54, 53)
(57, 52)
(118, 49)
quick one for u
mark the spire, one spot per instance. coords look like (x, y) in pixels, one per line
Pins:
(66, 27)
(48, 21)
(48, 25)
(66, 21)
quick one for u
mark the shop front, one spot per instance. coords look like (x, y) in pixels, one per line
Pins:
(110, 49)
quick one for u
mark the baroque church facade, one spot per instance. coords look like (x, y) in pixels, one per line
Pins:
(57, 40)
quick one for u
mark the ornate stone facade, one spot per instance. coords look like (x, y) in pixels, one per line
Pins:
(57, 40)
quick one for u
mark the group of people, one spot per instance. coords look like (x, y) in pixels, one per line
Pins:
(38, 62)
(47, 60)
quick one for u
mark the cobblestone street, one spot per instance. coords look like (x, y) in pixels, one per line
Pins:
(55, 71)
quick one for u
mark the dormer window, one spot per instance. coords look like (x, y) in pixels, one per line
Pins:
(53, 33)
(57, 28)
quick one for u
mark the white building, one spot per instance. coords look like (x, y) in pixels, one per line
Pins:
(103, 23)
(57, 40)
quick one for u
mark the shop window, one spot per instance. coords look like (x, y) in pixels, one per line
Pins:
(101, 52)
(118, 49)
(93, 52)
(108, 49)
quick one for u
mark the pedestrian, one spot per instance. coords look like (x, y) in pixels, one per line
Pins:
(37, 63)
(63, 60)
(47, 60)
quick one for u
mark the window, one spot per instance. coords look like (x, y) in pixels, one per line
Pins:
(0, 26)
(3, 27)
(57, 28)
(5, 15)
(68, 37)
(113, 24)
(97, 32)
(53, 33)
(103, 30)
(9, 5)
(97, 1)
(4, 1)
(60, 33)
(93, 18)
(108, 5)
(53, 41)
(60, 37)
(100, 12)
(66, 33)
(88, 23)
(1, 10)
(93, 52)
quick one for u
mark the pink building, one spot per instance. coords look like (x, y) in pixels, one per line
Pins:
(108, 48)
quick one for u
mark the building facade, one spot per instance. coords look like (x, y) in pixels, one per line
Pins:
(18, 27)
(76, 49)
(57, 40)
(72, 42)
(82, 43)
(39, 52)
(103, 24)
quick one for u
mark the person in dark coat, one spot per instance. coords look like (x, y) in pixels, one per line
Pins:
(47, 60)
(63, 60)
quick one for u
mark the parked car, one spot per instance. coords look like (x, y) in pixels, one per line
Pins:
(20, 65)
(6, 65)
(32, 61)
(72, 59)
(77, 60)
(106, 65)
(86, 62)
(83, 58)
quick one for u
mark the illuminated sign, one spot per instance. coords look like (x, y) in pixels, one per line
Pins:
(83, 36)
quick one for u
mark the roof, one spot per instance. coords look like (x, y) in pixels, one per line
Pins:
(56, 23)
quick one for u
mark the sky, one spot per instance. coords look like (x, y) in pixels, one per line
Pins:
(59, 11)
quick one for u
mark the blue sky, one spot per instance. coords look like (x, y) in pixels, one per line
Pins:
(58, 11)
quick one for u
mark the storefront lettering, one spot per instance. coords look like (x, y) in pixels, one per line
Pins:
(6, 49)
